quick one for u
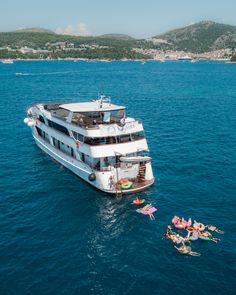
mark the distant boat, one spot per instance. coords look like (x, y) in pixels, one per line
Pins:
(7, 61)
(186, 57)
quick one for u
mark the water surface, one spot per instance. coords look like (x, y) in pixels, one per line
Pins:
(60, 236)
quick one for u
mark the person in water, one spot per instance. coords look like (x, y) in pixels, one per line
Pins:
(178, 240)
(138, 201)
(169, 230)
(206, 234)
(186, 250)
(213, 228)
(146, 209)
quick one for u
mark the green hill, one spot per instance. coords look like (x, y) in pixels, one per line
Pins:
(106, 47)
(34, 30)
(197, 38)
(39, 39)
(117, 36)
(200, 37)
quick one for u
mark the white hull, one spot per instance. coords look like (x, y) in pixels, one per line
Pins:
(81, 169)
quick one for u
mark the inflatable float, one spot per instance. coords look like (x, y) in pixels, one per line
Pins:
(127, 185)
(147, 210)
(199, 226)
(205, 235)
(193, 236)
(181, 223)
(138, 201)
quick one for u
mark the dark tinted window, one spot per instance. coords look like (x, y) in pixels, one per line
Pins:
(39, 131)
(41, 119)
(58, 127)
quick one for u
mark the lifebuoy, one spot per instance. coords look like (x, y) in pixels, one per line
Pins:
(92, 177)
(127, 185)
(123, 181)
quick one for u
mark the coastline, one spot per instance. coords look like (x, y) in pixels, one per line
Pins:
(112, 60)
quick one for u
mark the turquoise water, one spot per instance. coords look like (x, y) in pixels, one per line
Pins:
(58, 235)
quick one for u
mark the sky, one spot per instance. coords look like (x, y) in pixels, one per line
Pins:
(138, 18)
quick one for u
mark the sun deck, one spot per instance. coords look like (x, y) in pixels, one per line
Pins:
(93, 106)
(88, 115)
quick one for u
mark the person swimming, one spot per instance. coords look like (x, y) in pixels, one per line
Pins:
(146, 209)
(187, 250)
(169, 230)
(178, 239)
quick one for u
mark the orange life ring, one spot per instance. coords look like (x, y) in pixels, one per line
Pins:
(124, 181)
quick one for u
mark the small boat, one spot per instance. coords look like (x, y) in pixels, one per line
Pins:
(7, 61)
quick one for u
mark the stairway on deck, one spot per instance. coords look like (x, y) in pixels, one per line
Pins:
(141, 173)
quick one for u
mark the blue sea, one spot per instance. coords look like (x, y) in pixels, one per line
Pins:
(58, 235)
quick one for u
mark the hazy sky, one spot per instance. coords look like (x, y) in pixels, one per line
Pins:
(137, 18)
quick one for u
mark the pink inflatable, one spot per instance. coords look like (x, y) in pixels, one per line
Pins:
(181, 223)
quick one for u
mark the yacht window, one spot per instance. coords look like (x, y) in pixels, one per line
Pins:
(41, 119)
(137, 135)
(94, 140)
(82, 157)
(78, 136)
(125, 138)
(111, 140)
(39, 131)
(106, 117)
(58, 127)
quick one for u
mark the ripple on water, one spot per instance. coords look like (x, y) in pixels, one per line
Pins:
(59, 235)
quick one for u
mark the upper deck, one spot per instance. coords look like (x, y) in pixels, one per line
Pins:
(88, 114)
(97, 118)
(92, 107)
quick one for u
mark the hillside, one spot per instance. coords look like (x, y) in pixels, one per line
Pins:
(39, 39)
(37, 42)
(66, 46)
(34, 30)
(200, 37)
(117, 36)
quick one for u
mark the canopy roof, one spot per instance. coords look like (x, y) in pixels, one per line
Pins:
(94, 106)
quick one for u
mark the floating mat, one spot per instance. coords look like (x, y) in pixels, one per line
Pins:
(150, 210)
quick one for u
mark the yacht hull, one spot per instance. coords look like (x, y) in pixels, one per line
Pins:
(82, 170)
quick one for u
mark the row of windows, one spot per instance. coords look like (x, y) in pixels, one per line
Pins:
(92, 140)
(54, 125)
(58, 144)
(108, 140)
(63, 147)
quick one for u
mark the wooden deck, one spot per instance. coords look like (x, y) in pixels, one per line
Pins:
(136, 187)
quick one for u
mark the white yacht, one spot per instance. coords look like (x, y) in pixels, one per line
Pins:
(96, 141)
